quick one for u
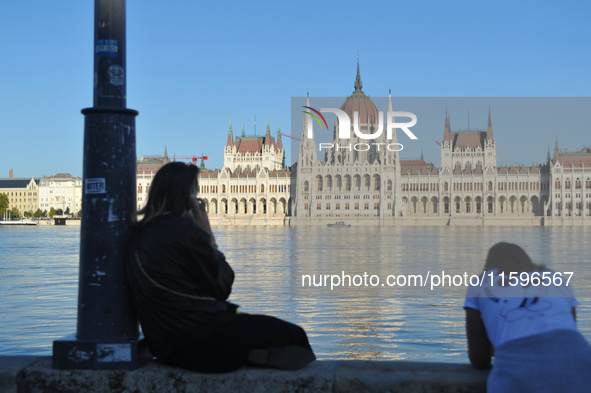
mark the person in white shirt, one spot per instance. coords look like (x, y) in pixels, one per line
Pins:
(524, 315)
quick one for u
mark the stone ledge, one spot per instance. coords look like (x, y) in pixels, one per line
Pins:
(320, 376)
(9, 368)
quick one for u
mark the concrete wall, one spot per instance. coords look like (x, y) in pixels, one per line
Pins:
(35, 375)
(73, 223)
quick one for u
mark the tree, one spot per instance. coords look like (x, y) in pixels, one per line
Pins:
(38, 214)
(51, 212)
(3, 204)
(14, 213)
(28, 214)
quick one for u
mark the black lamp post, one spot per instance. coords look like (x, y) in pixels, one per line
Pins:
(107, 333)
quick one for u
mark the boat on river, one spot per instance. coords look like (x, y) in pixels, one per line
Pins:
(339, 224)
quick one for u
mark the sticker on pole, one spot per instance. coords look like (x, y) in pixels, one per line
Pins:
(113, 353)
(95, 186)
(106, 48)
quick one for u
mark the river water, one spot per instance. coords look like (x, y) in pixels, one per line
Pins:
(359, 320)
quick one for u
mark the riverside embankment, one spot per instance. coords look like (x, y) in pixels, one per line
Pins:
(26, 374)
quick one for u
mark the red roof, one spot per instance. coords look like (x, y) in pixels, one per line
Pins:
(254, 144)
(413, 163)
(469, 139)
(249, 145)
(576, 159)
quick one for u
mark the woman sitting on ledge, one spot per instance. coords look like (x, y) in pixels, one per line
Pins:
(180, 284)
(525, 315)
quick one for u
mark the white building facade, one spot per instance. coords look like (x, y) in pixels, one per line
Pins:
(61, 192)
(376, 187)
(254, 185)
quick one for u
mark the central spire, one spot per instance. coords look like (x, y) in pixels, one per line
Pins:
(358, 83)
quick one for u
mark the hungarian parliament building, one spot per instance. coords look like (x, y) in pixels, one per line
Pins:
(376, 187)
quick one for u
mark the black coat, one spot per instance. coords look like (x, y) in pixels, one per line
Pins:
(179, 282)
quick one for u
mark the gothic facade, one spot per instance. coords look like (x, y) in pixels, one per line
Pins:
(253, 186)
(376, 186)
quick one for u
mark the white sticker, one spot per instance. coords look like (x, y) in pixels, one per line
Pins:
(113, 353)
(95, 186)
(116, 75)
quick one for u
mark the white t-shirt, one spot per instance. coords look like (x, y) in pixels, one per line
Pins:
(511, 312)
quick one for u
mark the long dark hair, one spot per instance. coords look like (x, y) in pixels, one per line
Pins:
(170, 192)
(508, 257)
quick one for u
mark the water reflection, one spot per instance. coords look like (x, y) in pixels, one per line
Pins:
(39, 278)
(38, 287)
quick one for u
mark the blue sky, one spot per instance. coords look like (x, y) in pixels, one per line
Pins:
(191, 65)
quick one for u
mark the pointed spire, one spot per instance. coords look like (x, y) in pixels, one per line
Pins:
(446, 128)
(358, 83)
(489, 134)
(268, 133)
(556, 150)
(202, 166)
(279, 143)
(307, 130)
(548, 157)
(165, 157)
(243, 132)
(230, 140)
(422, 159)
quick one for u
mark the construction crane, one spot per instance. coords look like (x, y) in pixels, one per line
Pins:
(292, 137)
(192, 158)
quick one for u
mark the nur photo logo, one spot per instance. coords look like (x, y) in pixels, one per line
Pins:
(376, 136)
